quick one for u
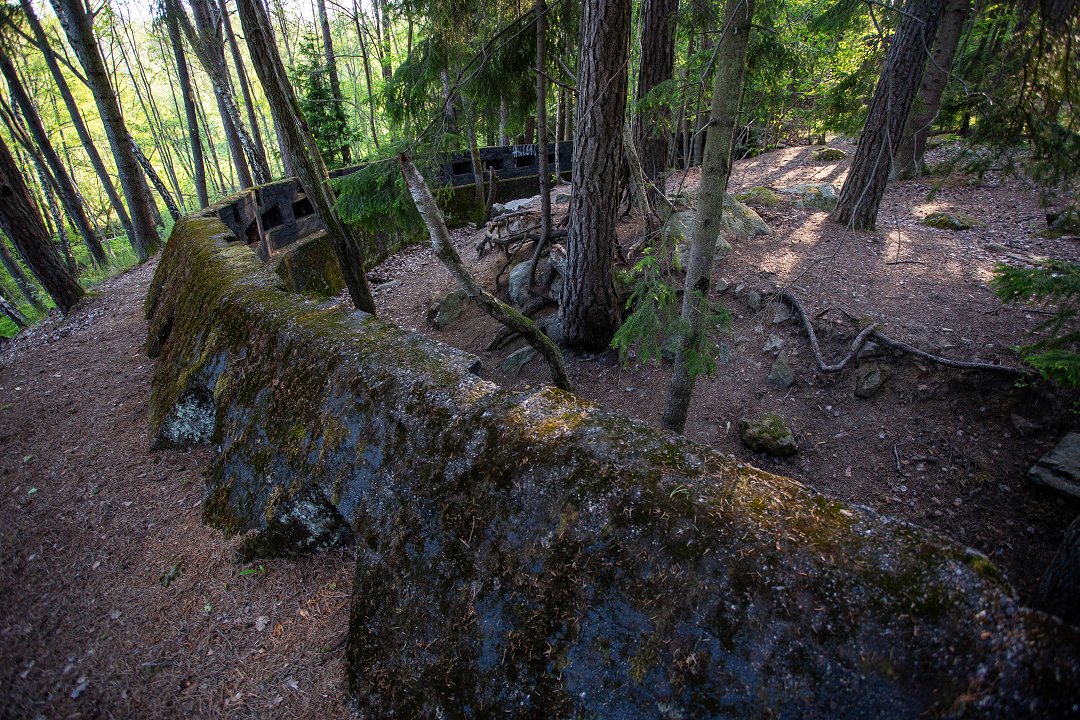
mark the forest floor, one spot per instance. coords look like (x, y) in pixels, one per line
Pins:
(116, 601)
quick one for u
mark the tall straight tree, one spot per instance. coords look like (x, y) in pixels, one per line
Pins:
(170, 10)
(73, 203)
(80, 33)
(715, 173)
(652, 126)
(909, 162)
(301, 148)
(860, 198)
(245, 86)
(21, 221)
(332, 70)
(588, 305)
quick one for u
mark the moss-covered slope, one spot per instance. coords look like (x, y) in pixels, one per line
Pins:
(537, 556)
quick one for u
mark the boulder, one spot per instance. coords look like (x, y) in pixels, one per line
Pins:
(773, 344)
(781, 376)
(446, 311)
(518, 283)
(1060, 468)
(1024, 426)
(759, 196)
(812, 196)
(769, 434)
(951, 221)
(869, 378)
(829, 154)
(518, 359)
(737, 222)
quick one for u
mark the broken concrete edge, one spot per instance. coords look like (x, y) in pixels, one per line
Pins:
(538, 555)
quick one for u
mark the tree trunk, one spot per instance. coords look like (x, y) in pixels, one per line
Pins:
(300, 146)
(361, 38)
(715, 172)
(652, 126)
(504, 120)
(387, 66)
(81, 130)
(331, 67)
(21, 221)
(22, 282)
(542, 124)
(245, 90)
(73, 203)
(1059, 591)
(12, 313)
(909, 162)
(79, 30)
(589, 308)
(188, 94)
(860, 198)
(155, 179)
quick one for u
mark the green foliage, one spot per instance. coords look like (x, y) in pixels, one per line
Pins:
(1055, 283)
(375, 198)
(655, 325)
(325, 116)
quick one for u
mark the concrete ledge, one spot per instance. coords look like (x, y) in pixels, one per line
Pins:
(536, 556)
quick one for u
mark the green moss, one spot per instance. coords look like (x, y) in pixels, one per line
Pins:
(759, 196)
(951, 221)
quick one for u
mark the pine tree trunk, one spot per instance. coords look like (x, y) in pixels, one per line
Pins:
(22, 282)
(1059, 591)
(361, 38)
(21, 221)
(79, 30)
(715, 173)
(860, 198)
(331, 67)
(300, 146)
(188, 94)
(909, 162)
(589, 308)
(245, 90)
(70, 198)
(652, 127)
(542, 124)
(81, 130)
(155, 179)
(387, 66)
(12, 312)
(504, 120)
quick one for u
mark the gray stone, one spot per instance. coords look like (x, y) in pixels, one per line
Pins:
(557, 258)
(829, 154)
(774, 344)
(781, 313)
(870, 350)
(951, 221)
(561, 197)
(516, 360)
(769, 434)
(759, 196)
(518, 284)
(497, 209)
(1060, 468)
(869, 378)
(389, 285)
(720, 286)
(737, 222)
(812, 196)
(522, 203)
(1025, 427)
(725, 353)
(781, 376)
(447, 310)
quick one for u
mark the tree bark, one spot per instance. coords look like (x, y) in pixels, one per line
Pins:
(22, 282)
(715, 172)
(384, 58)
(73, 203)
(331, 67)
(909, 161)
(188, 94)
(42, 42)
(361, 38)
(301, 149)
(245, 89)
(80, 32)
(444, 250)
(21, 221)
(1059, 591)
(542, 124)
(652, 126)
(12, 312)
(860, 198)
(588, 306)
(155, 179)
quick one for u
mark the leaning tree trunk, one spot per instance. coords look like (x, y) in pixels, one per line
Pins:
(80, 33)
(588, 305)
(865, 185)
(12, 312)
(715, 172)
(188, 94)
(301, 149)
(1059, 591)
(652, 126)
(909, 162)
(73, 203)
(42, 42)
(245, 89)
(22, 282)
(20, 219)
(157, 182)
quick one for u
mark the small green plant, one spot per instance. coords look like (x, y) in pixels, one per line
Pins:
(1056, 284)
(260, 570)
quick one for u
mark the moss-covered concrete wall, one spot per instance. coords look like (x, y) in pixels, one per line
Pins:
(532, 555)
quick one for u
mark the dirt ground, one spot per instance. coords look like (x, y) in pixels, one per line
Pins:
(115, 600)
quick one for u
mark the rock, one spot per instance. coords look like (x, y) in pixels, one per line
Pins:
(829, 153)
(521, 204)
(759, 196)
(497, 209)
(770, 435)
(781, 313)
(561, 197)
(518, 284)
(951, 221)
(516, 360)
(1060, 468)
(557, 258)
(720, 286)
(870, 350)
(1022, 425)
(773, 345)
(725, 353)
(389, 285)
(812, 196)
(869, 378)
(737, 222)
(443, 313)
(781, 376)
(1064, 223)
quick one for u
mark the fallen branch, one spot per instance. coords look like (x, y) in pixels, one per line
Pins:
(444, 250)
(870, 332)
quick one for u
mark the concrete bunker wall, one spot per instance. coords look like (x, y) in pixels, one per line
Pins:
(533, 555)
